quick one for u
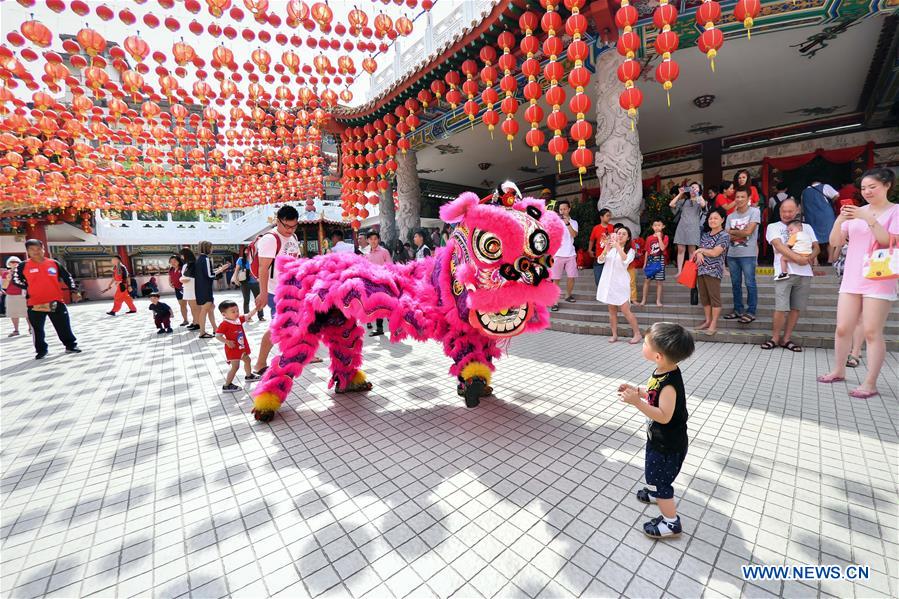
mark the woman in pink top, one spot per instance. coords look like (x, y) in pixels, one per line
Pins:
(860, 297)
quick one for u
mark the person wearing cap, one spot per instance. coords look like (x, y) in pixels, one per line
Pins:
(15, 301)
(40, 277)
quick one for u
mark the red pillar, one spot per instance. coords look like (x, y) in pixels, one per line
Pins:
(39, 232)
(122, 253)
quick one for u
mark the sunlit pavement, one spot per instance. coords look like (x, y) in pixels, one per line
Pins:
(126, 471)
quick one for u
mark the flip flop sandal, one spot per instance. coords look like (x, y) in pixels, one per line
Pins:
(862, 394)
(792, 347)
(747, 318)
(852, 361)
(829, 380)
(205, 336)
(731, 316)
(769, 344)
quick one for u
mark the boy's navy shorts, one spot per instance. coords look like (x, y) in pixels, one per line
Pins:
(661, 470)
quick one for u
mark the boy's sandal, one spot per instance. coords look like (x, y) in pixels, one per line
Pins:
(747, 318)
(792, 347)
(769, 344)
(731, 316)
(852, 361)
(205, 336)
(862, 394)
(828, 379)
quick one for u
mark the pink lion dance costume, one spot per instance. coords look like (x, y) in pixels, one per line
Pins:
(490, 283)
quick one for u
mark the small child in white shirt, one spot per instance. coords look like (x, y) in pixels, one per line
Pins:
(799, 241)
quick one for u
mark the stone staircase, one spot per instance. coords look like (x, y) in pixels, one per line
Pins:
(815, 327)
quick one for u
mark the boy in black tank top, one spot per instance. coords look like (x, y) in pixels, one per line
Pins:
(664, 402)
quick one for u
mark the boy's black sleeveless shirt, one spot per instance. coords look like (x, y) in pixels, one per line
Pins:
(670, 437)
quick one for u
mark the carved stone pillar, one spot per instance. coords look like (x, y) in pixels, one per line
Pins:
(408, 212)
(619, 163)
(387, 214)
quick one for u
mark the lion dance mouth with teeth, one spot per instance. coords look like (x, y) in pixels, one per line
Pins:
(488, 284)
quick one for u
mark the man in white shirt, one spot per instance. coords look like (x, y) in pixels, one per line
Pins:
(362, 244)
(565, 260)
(338, 245)
(280, 241)
(790, 294)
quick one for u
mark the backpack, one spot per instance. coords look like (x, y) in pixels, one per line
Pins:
(253, 254)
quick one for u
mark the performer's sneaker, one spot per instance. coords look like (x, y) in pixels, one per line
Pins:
(40, 355)
(160, 332)
(131, 312)
(230, 387)
(659, 528)
(261, 371)
(252, 377)
(555, 308)
(377, 333)
(73, 350)
(111, 313)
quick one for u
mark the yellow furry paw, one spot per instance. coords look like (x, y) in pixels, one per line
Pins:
(476, 369)
(266, 402)
(358, 378)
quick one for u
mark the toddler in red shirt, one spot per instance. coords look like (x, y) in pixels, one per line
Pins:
(237, 348)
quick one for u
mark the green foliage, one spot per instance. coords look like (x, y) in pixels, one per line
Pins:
(657, 209)
(587, 217)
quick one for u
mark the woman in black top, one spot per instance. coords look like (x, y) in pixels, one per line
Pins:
(205, 275)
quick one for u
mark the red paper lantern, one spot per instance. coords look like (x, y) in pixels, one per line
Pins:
(666, 42)
(630, 100)
(746, 11)
(37, 33)
(709, 43)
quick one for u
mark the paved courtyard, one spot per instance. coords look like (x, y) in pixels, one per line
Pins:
(127, 472)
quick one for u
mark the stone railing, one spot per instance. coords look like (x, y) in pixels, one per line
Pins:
(437, 37)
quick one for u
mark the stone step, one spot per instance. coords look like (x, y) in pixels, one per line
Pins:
(820, 284)
(683, 307)
(593, 319)
(682, 297)
(809, 340)
(597, 312)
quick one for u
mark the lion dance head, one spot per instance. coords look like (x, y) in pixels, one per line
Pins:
(501, 254)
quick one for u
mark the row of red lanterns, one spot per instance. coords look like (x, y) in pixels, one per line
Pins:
(709, 43)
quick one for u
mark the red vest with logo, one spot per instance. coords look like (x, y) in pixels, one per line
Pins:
(43, 282)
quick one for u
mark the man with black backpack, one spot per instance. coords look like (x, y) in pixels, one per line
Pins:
(280, 241)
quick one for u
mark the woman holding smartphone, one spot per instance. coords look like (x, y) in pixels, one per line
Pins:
(690, 203)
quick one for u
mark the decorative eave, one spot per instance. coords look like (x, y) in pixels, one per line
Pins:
(450, 53)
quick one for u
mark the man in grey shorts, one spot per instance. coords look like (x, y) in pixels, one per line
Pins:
(790, 294)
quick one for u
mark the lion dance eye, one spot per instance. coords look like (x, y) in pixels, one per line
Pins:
(539, 242)
(487, 246)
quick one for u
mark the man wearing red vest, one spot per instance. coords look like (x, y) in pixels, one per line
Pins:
(40, 277)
